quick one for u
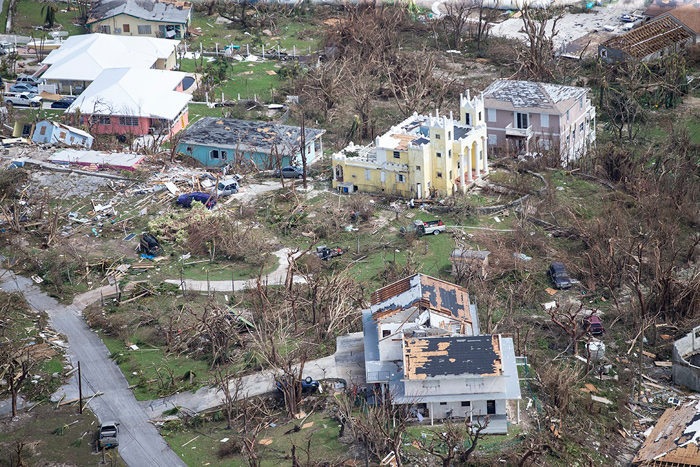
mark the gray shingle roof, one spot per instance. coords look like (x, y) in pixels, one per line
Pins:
(530, 95)
(171, 11)
(247, 135)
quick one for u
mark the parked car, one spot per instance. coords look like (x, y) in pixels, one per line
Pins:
(149, 245)
(290, 172)
(22, 98)
(7, 47)
(109, 435)
(204, 198)
(594, 325)
(308, 384)
(326, 253)
(430, 227)
(24, 87)
(557, 273)
(63, 103)
(227, 187)
(29, 79)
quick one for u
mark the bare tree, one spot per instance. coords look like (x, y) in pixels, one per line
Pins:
(540, 29)
(230, 386)
(570, 320)
(454, 442)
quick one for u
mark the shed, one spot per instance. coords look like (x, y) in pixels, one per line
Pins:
(48, 132)
(466, 261)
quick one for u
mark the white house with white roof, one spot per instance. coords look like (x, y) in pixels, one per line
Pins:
(81, 59)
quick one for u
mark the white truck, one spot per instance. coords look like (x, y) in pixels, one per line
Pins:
(428, 228)
(26, 99)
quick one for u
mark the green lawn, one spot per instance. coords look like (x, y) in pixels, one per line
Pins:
(29, 15)
(141, 367)
(323, 435)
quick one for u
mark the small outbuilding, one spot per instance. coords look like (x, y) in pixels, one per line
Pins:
(48, 132)
(469, 261)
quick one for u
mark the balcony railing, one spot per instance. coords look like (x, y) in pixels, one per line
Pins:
(518, 132)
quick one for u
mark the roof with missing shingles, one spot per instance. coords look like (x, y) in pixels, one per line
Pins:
(171, 11)
(522, 95)
(432, 357)
(651, 38)
(247, 135)
(425, 292)
(674, 440)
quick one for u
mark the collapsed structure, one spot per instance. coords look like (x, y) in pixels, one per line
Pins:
(423, 344)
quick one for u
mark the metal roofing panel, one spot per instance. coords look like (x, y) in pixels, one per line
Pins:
(432, 357)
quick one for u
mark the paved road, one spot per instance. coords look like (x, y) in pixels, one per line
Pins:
(276, 277)
(140, 442)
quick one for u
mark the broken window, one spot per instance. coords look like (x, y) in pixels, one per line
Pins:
(386, 333)
(62, 135)
(214, 153)
(418, 167)
(104, 29)
(400, 178)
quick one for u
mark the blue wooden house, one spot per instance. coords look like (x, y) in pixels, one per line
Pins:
(216, 142)
(48, 132)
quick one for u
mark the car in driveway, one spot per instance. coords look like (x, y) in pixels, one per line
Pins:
(290, 172)
(308, 385)
(63, 103)
(29, 79)
(24, 87)
(559, 276)
(187, 199)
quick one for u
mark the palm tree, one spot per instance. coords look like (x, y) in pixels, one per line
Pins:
(49, 11)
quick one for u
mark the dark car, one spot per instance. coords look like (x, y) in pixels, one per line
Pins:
(559, 276)
(290, 172)
(308, 384)
(326, 253)
(149, 245)
(204, 198)
(594, 325)
(63, 103)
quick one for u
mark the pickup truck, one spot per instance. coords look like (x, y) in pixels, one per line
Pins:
(430, 227)
(109, 432)
(22, 98)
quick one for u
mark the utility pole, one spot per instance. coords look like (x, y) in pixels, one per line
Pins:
(303, 146)
(80, 390)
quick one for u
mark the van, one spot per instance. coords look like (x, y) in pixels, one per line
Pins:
(227, 187)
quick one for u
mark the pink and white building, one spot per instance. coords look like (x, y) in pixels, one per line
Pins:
(526, 117)
(134, 101)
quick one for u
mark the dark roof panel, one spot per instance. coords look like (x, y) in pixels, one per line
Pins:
(431, 357)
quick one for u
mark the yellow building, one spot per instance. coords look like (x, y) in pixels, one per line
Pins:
(147, 18)
(423, 156)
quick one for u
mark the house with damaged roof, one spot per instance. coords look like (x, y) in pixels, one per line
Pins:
(674, 441)
(671, 32)
(216, 142)
(423, 344)
(155, 18)
(527, 117)
(423, 156)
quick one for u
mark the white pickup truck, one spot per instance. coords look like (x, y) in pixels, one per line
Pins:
(22, 98)
(428, 228)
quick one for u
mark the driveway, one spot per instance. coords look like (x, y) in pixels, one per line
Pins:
(140, 444)
(276, 277)
(347, 363)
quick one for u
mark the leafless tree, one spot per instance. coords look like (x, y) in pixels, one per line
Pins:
(540, 29)
(570, 320)
(454, 442)
(230, 386)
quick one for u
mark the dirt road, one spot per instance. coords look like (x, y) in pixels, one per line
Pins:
(140, 444)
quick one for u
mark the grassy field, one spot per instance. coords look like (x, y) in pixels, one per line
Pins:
(201, 447)
(42, 446)
(29, 15)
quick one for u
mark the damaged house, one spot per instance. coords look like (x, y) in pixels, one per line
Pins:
(674, 440)
(154, 18)
(216, 142)
(423, 344)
